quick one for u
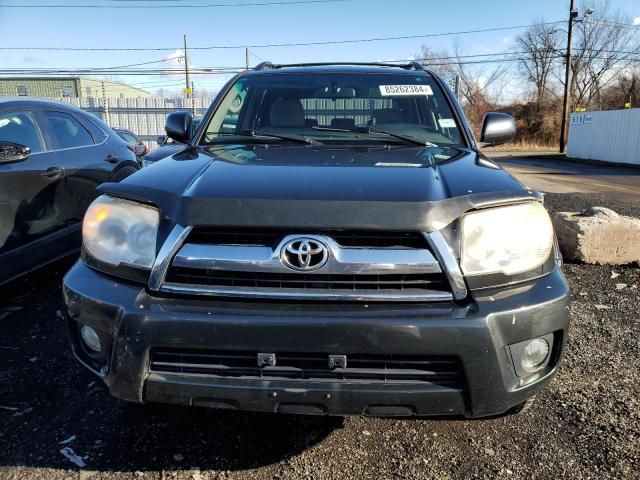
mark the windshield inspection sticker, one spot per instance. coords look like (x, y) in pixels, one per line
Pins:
(447, 122)
(405, 90)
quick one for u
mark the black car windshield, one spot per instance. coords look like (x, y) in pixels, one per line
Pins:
(334, 108)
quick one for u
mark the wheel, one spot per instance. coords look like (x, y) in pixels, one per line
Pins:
(123, 173)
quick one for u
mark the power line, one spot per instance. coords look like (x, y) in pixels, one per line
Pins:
(133, 64)
(81, 70)
(293, 44)
(210, 5)
(612, 22)
(256, 56)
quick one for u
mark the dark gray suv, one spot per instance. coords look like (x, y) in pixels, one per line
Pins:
(329, 241)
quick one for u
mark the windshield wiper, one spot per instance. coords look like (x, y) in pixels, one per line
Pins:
(406, 138)
(258, 134)
(370, 130)
(293, 138)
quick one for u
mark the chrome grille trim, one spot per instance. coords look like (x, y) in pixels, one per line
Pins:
(173, 242)
(343, 260)
(407, 295)
(355, 261)
(450, 265)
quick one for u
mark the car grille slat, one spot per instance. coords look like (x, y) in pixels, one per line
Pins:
(305, 281)
(439, 370)
(271, 237)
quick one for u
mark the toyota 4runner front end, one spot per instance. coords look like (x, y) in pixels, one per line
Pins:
(330, 241)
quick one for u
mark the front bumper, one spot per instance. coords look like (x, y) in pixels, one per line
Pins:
(134, 324)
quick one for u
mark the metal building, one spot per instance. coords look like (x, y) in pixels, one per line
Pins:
(609, 136)
(67, 87)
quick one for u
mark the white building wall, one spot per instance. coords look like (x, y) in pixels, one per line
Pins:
(609, 136)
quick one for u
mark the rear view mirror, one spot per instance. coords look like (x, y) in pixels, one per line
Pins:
(497, 128)
(334, 92)
(178, 126)
(13, 152)
(160, 140)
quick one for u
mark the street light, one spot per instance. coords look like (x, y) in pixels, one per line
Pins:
(573, 18)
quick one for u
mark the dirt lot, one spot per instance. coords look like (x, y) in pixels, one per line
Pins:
(586, 425)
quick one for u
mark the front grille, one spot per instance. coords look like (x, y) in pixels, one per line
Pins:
(307, 281)
(439, 370)
(272, 237)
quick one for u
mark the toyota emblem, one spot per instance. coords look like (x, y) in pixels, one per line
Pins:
(304, 254)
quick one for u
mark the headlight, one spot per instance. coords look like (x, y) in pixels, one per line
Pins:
(506, 240)
(117, 231)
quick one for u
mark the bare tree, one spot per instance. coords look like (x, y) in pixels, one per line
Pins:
(481, 82)
(625, 90)
(604, 47)
(537, 50)
(629, 85)
(439, 60)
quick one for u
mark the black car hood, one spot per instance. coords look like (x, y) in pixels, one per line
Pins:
(423, 188)
(164, 151)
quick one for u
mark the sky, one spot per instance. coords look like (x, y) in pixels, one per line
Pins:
(162, 23)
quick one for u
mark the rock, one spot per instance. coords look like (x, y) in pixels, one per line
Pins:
(490, 451)
(178, 457)
(621, 286)
(599, 236)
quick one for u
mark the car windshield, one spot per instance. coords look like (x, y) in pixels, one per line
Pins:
(333, 108)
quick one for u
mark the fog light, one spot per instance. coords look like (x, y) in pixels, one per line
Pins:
(534, 355)
(90, 338)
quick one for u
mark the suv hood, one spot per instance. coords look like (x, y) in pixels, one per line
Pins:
(328, 187)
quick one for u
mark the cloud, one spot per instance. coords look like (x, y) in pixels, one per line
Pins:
(175, 59)
(636, 21)
(506, 40)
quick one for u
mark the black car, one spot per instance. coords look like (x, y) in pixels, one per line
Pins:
(136, 145)
(167, 146)
(52, 158)
(332, 241)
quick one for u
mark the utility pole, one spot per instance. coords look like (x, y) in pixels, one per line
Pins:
(193, 100)
(573, 14)
(105, 105)
(186, 68)
(246, 57)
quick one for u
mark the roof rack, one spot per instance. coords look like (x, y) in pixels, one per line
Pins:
(265, 66)
(414, 65)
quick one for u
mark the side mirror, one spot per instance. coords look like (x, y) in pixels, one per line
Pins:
(160, 140)
(140, 149)
(178, 126)
(13, 152)
(497, 128)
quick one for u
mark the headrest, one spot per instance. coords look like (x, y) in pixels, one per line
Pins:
(346, 123)
(388, 115)
(286, 113)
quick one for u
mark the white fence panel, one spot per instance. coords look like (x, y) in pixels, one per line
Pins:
(609, 136)
(143, 116)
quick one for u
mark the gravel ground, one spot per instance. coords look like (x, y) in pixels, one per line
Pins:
(585, 425)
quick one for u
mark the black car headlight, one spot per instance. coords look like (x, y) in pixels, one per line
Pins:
(120, 234)
(505, 240)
